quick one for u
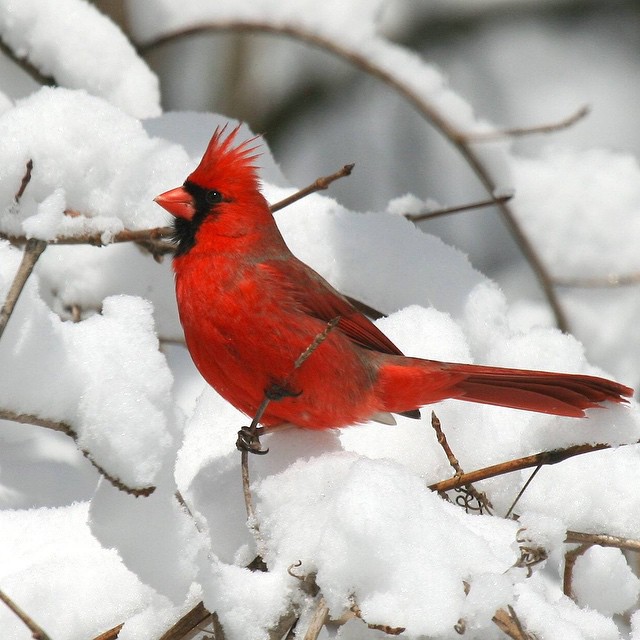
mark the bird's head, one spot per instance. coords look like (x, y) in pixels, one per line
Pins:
(225, 179)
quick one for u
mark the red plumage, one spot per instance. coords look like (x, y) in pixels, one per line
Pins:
(250, 308)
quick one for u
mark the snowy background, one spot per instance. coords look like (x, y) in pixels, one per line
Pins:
(120, 484)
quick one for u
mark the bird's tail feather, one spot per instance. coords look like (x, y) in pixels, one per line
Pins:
(421, 382)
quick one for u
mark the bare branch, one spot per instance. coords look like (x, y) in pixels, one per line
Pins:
(516, 132)
(191, 621)
(36, 631)
(25, 181)
(445, 211)
(32, 251)
(468, 492)
(63, 427)
(535, 460)
(603, 540)
(317, 185)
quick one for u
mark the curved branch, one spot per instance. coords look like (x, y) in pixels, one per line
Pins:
(68, 430)
(462, 141)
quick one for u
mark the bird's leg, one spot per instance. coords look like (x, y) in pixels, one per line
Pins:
(249, 437)
(249, 440)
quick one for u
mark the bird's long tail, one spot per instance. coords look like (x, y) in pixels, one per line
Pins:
(411, 383)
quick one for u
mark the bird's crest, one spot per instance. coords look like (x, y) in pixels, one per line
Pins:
(226, 167)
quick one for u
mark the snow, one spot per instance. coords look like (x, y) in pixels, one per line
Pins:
(605, 582)
(564, 197)
(349, 510)
(52, 37)
(88, 156)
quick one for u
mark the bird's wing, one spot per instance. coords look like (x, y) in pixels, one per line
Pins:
(319, 299)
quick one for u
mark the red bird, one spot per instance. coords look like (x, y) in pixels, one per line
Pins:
(250, 308)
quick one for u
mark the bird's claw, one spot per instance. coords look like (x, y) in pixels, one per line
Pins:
(249, 441)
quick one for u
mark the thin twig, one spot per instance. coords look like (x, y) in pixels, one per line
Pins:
(191, 621)
(570, 558)
(36, 631)
(32, 251)
(607, 282)
(25, 181)
(537, 459)
(63, 427)
(317, 185)
(468, 491)
(391, 631)
(445, 211)
(516, 132)
(507, 621)
(97, 239)
(521, 492)
(246, 480)
(442, 441)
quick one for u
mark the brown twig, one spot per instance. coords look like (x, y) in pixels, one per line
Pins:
(461, 140)
(25, 181)
(390, 631)
(36, 631)
(111, 634)
(318, 185)
(197, 617)
(603, 540)
(517, 132)
(570, 558)
(508, 622)
(468, 491)
(521, 492)
(537, 459)
(32, 251)
(445, 211)
(63, 427)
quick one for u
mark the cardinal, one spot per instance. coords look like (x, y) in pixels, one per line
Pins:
(259, 323)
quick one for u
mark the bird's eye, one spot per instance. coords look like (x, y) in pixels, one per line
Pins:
(212, 196)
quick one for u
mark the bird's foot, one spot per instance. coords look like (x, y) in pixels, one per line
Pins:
(249, 441)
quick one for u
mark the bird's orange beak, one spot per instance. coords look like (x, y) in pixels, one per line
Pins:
(177, 202)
